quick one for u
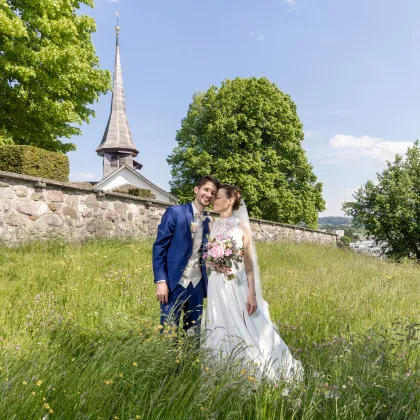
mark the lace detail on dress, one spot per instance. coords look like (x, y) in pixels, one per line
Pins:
(224, 226)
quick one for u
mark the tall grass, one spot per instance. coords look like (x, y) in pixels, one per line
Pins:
(79, 338)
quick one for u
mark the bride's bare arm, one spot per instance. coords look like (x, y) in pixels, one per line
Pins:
(249, 266)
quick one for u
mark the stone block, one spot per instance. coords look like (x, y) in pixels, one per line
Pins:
(36, 196)
(16, 220)
(111, 215)
(7, 193)
(70, 211)
(87, 213)
(92, 202)
(54, 220)
(20, 234)
(97, 225)
(55, 196)
(72, 199)
(104, 205)
(21, 191)
(79, 223)
(120, 207)
(33, 230)
(54, 206)
(31, 208)
(125, 226)
(3, 185)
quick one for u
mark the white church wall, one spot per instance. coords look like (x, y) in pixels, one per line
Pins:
(126, 176)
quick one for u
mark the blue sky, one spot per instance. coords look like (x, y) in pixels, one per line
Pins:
(351, 66)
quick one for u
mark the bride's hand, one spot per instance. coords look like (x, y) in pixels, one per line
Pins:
(251, 304)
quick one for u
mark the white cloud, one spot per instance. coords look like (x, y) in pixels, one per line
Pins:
(351, 191)
(257, 35)
(83, 176)
(375, 148)
(291, 4)
(114, 1)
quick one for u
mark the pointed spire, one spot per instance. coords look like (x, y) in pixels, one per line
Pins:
(117, 137)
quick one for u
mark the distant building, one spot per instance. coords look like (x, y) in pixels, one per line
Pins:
(117, 147)
(368, 247)
(338, 232)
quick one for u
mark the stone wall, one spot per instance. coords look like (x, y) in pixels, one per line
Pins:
(37, 209)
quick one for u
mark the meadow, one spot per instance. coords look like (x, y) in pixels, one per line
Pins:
(79, 338)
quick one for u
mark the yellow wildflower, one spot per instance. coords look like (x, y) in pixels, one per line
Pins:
(207, 369)
(177, 361)
(108, 382)
(243, 371)
(25, 383)
(138, 417)
(51, 411)
(134, 364)
(33, 393)
(38, 383)
(120, 375)
(46, 406)
(251, 378)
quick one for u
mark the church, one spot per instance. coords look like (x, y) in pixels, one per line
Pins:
(121, 172)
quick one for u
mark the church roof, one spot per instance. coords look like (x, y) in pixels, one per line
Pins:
(117, 136)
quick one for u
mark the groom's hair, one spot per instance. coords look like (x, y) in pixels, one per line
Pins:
(208, 178)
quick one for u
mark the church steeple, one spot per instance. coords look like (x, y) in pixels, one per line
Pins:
(117, 146)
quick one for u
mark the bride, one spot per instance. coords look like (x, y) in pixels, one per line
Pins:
(237, 319)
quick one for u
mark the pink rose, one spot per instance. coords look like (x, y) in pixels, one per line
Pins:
(216, 252)
(228, 252)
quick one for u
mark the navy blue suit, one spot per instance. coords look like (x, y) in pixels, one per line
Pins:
(171, 253)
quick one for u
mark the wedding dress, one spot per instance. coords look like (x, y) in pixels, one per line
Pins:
(229, 330)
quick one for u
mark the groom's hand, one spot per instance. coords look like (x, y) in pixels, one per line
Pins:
(162, 292)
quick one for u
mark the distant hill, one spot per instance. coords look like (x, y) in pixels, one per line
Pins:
(335, 221)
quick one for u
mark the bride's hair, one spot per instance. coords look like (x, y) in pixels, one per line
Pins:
(232, 191)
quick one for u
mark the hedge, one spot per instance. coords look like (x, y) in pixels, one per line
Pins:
(140, 192)
(30, 160)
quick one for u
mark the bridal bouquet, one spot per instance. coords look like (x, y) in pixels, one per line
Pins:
(221, 253)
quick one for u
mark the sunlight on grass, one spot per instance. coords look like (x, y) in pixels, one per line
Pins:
(79, 338)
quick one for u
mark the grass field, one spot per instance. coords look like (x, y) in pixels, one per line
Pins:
(79, 338)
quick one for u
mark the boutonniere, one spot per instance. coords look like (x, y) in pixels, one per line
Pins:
(193, 228)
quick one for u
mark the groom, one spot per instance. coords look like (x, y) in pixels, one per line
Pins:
(181, 279)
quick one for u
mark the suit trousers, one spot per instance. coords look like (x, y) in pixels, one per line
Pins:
(187, 301)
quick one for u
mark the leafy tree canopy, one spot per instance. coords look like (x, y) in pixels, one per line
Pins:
(247, 132)
(49, 72)
(390, 209)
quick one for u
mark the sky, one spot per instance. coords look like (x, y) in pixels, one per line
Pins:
(351, 66)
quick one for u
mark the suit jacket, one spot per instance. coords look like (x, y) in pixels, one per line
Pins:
(173, 246)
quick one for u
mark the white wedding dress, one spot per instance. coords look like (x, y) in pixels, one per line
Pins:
(231, 332)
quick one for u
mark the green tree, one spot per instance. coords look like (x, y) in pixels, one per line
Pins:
(390, 209)
(344, 242)
(49, 71)
(247, 132)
